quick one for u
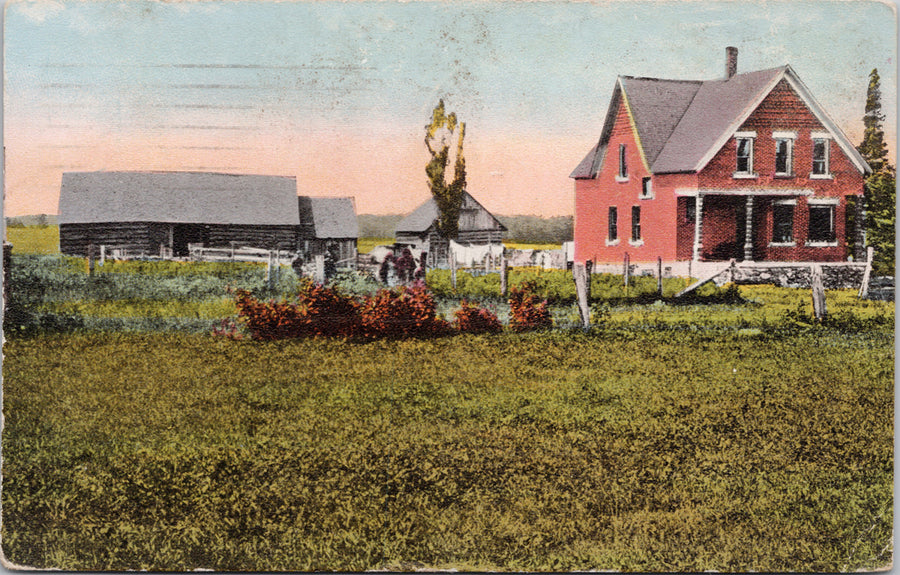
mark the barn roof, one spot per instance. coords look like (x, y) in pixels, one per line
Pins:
(682, 124)
(178, 197)
(330, 217)
(425, 215)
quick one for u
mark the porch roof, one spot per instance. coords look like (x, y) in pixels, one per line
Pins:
(694, 192)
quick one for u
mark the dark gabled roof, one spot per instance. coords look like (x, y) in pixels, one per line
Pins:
(681, 125)
(716, 108)
(657, 106)
(178, 197)
(329, 217)
(427, 213)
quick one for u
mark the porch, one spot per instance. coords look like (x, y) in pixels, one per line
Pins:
(768, 225)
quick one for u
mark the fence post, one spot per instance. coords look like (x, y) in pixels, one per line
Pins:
(867, 274)
(589, 269)
(102, 254)
(7, 262)
(320, 268)
(659, 276)
(504, 274)
(90, 259)
(579, 274)
(452, 257)
(627, 270)
(818, 293)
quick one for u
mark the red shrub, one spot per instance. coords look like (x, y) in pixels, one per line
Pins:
(473, 319)
(527, 311)
(403, 312)
(329, 312)
(270, 320)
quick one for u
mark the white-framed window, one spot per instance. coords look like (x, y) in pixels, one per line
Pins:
(821, 155)
(635, 224)
(646, 188)
(612, 226)
(744, 162)
(783, 222)
(784, 153)
(822, 230)
(622, 176)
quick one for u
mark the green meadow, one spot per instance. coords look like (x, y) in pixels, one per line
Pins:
(729, 433)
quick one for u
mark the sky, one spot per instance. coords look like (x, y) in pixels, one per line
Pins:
(338, 94)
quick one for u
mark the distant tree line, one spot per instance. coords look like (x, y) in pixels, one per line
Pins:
(41, 220)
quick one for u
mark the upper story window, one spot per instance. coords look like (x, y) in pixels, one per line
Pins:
(821, 167)
(646, 188)
(784, 153)
(744, 164)
(623, 164)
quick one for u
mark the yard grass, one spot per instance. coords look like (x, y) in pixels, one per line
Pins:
(366, 245)
(623, 450)
(34, 239)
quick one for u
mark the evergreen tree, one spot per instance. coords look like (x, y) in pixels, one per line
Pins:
(880, 194)
(447, 195)
(873, 148)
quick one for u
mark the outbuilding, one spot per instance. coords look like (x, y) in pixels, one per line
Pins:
(476, 226)
(164, 213)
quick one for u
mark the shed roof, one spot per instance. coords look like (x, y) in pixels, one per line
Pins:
(178, 197)
(425, 215)
(330, 217)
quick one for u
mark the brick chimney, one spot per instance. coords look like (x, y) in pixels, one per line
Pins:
(730, 61)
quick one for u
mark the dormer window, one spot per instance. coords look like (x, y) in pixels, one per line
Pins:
(622, 176)
(821, 167)
(744, 164)
(784, 153)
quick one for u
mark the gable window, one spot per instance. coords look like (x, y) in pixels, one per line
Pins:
(744, 163)
(821, 222)
(623, 164)
(635, 223)
(784, 153)
(821, 155)
(783, 222)
(613, 225)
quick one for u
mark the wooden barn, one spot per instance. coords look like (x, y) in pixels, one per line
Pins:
(476, 226)
(328, 224)
(162, 213)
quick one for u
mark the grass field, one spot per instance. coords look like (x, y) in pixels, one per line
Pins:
(551, 451)
(34, 239)
(727, 436)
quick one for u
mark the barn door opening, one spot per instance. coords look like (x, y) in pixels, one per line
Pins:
(184, 234)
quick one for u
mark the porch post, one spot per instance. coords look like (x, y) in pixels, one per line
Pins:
(698, 225)
(748, 231)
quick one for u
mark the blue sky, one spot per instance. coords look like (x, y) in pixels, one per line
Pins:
(338, 93)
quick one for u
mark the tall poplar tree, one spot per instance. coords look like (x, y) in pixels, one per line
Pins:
(447, 194)
(880, 195)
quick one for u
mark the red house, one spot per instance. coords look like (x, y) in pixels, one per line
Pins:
(749, 168)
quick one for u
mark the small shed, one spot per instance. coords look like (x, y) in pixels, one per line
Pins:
(164, 212)
(476, 226)
(328, 224)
